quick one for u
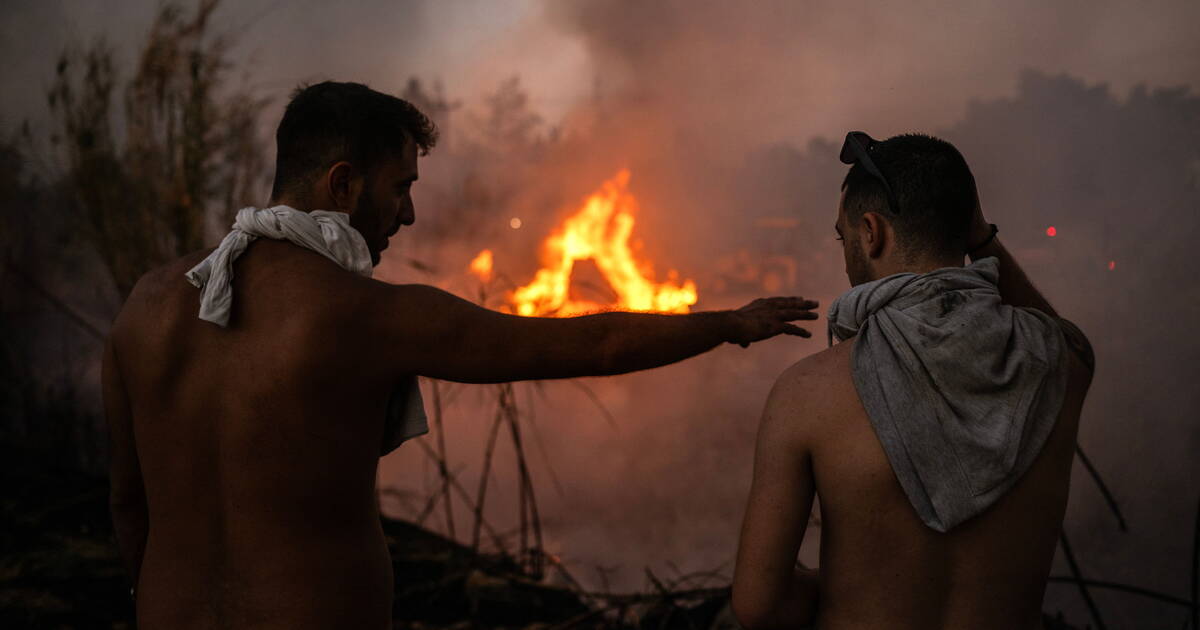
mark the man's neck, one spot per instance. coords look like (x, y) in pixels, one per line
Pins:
(290, 202)
(891, 267)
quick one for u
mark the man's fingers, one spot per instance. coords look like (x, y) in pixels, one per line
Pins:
(793, 314)
(781, 303)
(792, 329)
(792, 302)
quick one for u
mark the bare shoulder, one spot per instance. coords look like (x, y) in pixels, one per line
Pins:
(812, 391)
(161, 278)
(152, 289)
(825, 372)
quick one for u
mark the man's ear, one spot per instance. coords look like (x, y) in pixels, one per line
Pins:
(344, 184)
(875, 232)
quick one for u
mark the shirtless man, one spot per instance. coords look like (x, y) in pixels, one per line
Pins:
(244, 457)
(887, 558)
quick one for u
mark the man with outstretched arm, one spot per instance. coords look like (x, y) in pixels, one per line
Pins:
(938, 435)
(251, 389)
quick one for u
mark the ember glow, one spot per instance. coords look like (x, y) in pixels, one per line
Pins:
(599, 231)
(482, 265)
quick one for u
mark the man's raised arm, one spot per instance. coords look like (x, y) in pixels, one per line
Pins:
(433, 333)
(1015, 287)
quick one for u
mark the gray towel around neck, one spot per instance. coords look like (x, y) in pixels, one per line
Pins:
(962, 391)
(331, 235)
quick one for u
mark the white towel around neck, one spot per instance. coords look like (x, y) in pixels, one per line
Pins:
(329, 234)
(324, 232)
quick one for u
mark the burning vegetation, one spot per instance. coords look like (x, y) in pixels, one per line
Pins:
(598, 231)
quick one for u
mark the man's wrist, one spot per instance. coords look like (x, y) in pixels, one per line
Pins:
(980, 242)
(726, 325)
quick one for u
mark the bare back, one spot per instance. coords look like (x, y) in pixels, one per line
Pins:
(258, 445)
(881, 567)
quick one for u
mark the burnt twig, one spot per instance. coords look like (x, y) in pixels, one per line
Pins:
(442, 457)
(1108, 497)
(541, 444)
(1083, 585)
(466, 498)
(612, 421)
(483, 478)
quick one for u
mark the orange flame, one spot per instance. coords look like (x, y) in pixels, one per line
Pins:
(599, 231)
(481, 265)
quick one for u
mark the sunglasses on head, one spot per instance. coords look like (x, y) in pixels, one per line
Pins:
(857, 150)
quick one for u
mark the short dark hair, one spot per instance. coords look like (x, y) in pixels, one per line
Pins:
(330, 121)
(933, 187)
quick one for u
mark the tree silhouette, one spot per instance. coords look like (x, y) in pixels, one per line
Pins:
(189, 149)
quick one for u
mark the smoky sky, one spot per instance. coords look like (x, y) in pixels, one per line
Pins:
(728, 116)
(799, 67)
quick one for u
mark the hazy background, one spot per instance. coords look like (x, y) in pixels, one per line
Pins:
(1079, 115)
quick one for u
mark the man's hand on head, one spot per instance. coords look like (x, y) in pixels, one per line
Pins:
(766, 317)
(980, 229)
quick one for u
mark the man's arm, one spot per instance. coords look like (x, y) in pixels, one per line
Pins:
(1017, 290)
(127, 495)
(769, 589)
(433, 333)
(1015, 287)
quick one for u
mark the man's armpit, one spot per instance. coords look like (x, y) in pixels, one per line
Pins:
(1078, 343)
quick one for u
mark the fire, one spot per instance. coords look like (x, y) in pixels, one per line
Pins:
(599, 231)
(481, 265)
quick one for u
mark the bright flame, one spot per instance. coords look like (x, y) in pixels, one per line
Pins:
(482, 265)
(599, 231)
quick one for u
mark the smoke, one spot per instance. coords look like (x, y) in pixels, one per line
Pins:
(788, 70)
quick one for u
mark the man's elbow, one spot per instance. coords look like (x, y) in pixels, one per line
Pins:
(752, 610)
(131, 523)
(763, 606)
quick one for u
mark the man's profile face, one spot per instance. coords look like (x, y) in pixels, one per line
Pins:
(857, 270)
(386, 200)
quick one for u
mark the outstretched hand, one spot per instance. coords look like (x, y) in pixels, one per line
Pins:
(766, 317)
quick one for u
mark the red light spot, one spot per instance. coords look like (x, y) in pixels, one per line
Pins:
(1050, 231)
(1112, 264)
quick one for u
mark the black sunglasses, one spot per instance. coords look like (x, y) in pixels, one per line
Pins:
(857, 149)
